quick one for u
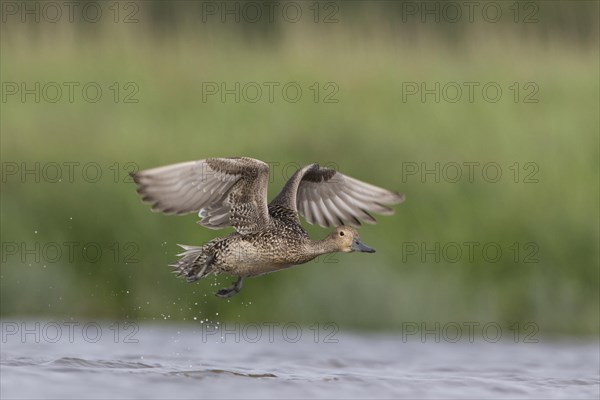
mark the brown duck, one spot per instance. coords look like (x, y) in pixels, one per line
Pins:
(233, 192)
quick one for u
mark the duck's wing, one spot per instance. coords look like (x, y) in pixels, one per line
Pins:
(224, 191)
(329, 198)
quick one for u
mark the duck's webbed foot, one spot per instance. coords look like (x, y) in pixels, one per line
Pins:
(232, 290)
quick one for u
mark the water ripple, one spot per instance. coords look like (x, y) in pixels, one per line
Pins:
(356, 367)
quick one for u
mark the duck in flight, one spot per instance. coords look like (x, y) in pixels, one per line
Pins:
(232, 192)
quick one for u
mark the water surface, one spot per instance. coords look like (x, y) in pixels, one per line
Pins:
(186, 362)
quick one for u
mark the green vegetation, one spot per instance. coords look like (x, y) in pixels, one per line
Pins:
(370, 134)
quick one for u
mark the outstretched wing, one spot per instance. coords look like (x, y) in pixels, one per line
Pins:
(329, 198)
(224, 191)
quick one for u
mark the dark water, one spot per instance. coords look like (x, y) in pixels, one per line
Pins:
(186, 362)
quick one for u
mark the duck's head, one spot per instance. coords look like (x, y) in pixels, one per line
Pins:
(347, 240)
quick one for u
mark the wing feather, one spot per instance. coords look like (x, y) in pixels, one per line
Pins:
(327, 197)
(226, 191)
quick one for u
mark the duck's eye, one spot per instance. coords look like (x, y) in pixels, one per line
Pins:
(341, 233)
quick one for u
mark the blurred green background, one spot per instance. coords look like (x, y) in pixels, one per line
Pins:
(368, 51)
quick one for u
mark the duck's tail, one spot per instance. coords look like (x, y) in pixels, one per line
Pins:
(195, 263)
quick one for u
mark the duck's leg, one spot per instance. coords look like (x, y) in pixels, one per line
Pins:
(232, 290)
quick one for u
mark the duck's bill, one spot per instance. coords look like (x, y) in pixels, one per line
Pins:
(357, 245)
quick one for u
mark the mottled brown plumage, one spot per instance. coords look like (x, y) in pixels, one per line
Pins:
(233, 192)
